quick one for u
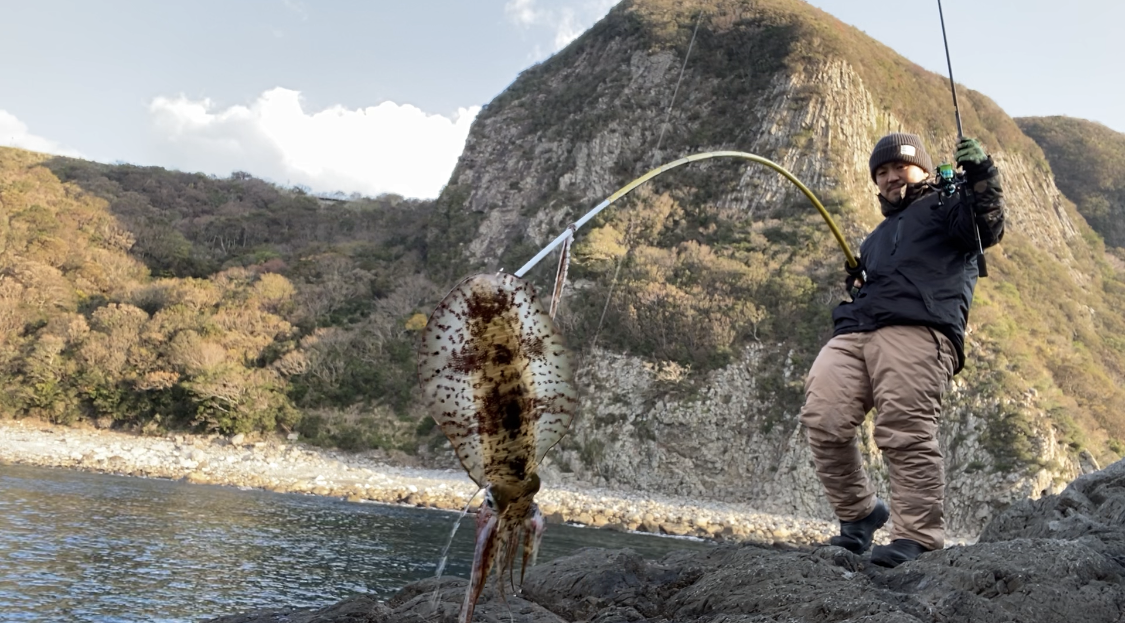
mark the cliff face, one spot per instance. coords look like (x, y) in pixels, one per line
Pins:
(790, 83)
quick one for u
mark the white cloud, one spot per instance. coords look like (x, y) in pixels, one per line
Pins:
(297, 8)
(568, 19)
(388, 148)
(522, 12)
(14, 133)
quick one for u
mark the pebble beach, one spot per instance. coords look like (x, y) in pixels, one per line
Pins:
(288, 466)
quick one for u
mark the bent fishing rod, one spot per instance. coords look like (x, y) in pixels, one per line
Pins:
(945, 173)
(739, 155)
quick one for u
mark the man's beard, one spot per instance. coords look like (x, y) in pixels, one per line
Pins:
(896, 195)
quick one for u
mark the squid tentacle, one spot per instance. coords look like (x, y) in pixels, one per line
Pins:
(533, 529)
(486, 541)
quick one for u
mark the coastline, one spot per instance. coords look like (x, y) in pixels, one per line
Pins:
(283, 466)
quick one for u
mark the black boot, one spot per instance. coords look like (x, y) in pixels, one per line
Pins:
(855, 536)
(898, 552)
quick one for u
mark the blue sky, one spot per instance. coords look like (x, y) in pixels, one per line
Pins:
(377, 96)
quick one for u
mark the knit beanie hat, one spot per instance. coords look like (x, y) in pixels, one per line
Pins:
(899, 146)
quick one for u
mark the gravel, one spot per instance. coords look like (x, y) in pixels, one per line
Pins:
(277, 464)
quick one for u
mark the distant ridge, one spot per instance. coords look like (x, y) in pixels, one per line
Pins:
(1088, 160)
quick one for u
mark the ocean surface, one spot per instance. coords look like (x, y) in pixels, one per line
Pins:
(77, 547)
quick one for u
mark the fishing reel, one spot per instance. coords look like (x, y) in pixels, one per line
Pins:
(948, 180)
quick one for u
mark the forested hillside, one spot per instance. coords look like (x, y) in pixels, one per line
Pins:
(152, 299)
(1088, 160)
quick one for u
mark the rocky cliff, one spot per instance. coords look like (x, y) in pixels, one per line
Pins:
(1035, 407)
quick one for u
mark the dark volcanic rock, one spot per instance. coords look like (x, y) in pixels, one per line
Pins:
(1058, 559)
(595, 582)
(361, 609)
(1091, 510)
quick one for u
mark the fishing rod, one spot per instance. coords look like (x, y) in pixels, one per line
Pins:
(949, 64)
(624, 190)
(945, 169)
(949, 180)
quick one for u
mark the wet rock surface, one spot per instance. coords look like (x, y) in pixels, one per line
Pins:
(1057, 559)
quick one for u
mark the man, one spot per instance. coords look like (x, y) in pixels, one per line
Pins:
(898, 343)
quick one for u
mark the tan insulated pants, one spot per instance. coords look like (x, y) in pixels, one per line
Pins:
(902, 371)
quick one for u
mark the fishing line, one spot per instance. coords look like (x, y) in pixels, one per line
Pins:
(655, 159)
(448, 543)
(560, 273)
(608, 297)
(668, 113)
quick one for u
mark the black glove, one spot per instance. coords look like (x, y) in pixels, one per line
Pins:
(855, 275)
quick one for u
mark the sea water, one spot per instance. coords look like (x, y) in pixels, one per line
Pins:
(76, 546)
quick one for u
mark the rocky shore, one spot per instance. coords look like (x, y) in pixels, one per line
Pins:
(288, 466)
(1057, 559)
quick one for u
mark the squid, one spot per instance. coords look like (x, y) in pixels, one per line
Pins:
(497, 379)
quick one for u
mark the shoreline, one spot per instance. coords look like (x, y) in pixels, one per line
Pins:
(283, 466)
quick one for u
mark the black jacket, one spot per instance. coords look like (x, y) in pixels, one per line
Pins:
(920, 263)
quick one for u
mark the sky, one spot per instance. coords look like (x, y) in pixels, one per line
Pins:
(377, 96)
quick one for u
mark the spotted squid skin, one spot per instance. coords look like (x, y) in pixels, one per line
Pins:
(497, 377)
(498, 381)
